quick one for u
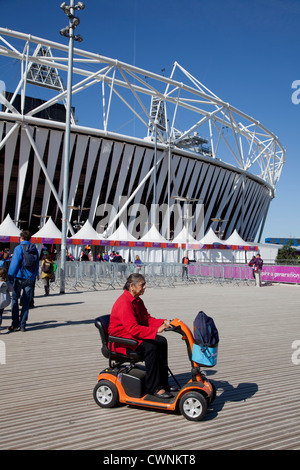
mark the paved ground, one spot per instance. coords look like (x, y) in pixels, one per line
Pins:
(47, 381)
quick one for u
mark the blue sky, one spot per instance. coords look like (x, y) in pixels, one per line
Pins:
(245, 51)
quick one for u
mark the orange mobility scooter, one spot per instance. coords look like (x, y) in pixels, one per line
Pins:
(123, 380)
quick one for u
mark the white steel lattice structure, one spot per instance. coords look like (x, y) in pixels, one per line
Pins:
(192, 144)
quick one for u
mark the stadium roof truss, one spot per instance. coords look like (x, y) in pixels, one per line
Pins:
(232, 136)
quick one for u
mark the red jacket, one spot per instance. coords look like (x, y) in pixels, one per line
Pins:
(130, 319)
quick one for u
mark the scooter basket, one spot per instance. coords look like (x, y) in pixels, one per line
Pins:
(205, 355)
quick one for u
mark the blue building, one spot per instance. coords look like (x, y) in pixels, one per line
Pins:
(284, 241)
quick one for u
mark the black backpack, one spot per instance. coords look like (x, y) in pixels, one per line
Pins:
(30, 257)
(85, 256)
(47, 267)
(205, 330)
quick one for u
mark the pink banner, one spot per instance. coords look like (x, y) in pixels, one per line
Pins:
(290, 274)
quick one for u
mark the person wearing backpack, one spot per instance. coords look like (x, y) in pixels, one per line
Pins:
(23, 270)
(47, 268)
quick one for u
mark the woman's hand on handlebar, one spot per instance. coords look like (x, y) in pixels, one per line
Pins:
(163, 326)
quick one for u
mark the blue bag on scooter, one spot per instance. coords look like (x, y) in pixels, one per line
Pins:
(206, 340)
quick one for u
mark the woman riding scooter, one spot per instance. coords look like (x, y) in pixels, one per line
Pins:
(130, 319)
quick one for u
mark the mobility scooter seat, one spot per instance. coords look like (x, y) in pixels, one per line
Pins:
(102, 324)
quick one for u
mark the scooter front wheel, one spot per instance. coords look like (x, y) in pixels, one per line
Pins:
(106, 394)
(193, 406)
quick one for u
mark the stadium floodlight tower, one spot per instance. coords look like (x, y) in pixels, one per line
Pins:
(68, 32)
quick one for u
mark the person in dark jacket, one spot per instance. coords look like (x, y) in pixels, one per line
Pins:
(251, 265)
(258, 264)
(22, 279)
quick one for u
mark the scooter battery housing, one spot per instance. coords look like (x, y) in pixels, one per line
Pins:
(133, 382)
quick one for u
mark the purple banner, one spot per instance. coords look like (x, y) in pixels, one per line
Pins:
(140, 244)
(288, 274)
(48, 241)
(4, 239)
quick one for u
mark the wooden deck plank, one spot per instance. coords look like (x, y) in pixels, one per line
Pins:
(47, 382)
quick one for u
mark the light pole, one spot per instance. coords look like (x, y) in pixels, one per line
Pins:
(162, 128)
(79, 223)
(220, 221)
(69, 33)
(42, 219)
(187, 218)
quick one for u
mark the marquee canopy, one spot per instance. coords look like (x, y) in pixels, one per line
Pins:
(9, 232)
(48, 234)
(235, 239)
(87, 235)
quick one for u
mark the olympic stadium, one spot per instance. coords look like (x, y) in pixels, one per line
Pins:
(190, 147)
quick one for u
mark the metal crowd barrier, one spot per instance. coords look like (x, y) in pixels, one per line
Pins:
(90, 275)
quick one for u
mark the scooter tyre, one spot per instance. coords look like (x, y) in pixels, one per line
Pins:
(106, 394)
(193, 406)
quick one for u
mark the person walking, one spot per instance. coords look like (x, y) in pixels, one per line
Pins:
(47, 269)
(23, 270)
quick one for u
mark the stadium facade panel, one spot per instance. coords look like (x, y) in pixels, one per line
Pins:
(106, 170)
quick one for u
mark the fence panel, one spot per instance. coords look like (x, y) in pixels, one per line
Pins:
(91, 275)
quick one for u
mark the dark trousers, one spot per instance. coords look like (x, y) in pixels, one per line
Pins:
(155, 355)
(27, 285)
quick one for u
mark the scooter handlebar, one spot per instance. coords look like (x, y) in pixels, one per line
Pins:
(172, 327)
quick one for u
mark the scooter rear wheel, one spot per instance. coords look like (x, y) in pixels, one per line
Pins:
(106, 394)
(193, 406)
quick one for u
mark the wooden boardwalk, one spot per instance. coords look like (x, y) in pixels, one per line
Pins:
(46, 384)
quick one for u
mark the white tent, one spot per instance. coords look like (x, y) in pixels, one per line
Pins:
(267, 251)
(87, 232)
(213, 255)
(122, 235)
(210, 237)
(86, 235)
(184, 237)
(47, 234)
(8, 228)
(48, 231)
(235, 239)
(154, 254)
(153, 235)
